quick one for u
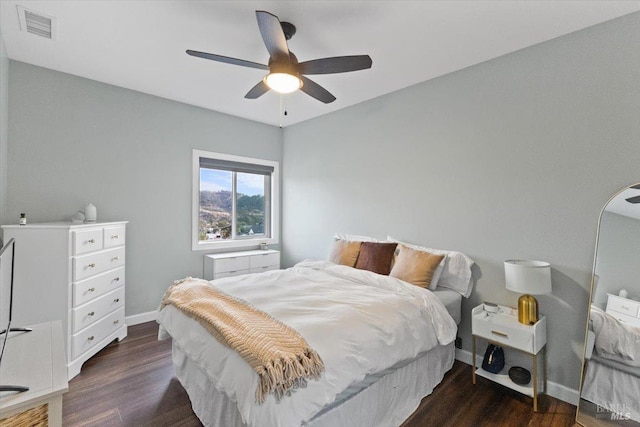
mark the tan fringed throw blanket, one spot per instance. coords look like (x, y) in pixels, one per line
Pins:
(280, 356)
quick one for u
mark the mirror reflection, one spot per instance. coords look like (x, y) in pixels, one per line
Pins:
(610, 391)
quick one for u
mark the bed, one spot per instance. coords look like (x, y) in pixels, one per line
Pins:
(612, 374)
(385, 344)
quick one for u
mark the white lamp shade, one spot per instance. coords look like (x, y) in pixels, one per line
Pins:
(528, 277)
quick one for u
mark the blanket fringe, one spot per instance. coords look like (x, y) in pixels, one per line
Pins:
(285, 374)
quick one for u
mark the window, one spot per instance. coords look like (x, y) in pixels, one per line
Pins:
(235, 201)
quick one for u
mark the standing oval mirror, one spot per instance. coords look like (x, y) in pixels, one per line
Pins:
(610, 386)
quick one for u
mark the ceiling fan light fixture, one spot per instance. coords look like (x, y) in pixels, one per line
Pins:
(283, 82)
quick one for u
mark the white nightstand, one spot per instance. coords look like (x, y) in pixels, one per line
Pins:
(504, 329)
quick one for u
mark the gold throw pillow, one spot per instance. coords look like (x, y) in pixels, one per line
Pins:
(345, 252)
(415, 267)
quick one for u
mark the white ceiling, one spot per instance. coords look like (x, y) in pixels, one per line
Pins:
(141, 45)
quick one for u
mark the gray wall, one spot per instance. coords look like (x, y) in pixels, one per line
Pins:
(512, 158)
(4, 118)
(618, 261)
(75, 141)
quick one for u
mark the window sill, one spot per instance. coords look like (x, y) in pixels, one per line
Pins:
(232, 244)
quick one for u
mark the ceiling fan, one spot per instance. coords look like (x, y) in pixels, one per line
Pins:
(286, 74)
(634, 199)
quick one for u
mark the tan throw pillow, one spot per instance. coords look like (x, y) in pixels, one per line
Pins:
(345, 252)
(376, 257)
(415, 267)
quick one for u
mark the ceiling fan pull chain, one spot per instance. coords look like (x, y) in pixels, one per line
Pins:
(283, 109)
(280, 112)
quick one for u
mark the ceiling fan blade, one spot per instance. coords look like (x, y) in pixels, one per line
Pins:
(634, 199)
(257, 91)
(272, 34)
(337, 64)
(227, 60)
(316, 91)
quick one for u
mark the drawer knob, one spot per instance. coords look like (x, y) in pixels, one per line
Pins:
(92, 289)
(91, 313)
(117, 279)
(90, 338)
(115, 322)
(501, 334)
(91, 265)
(116, 300)
(91, 241)
(114, 236)
(115, 258)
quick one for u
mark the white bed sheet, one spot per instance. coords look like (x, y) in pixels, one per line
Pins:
(326, 304)
(381, 404)
(452, 301)
(612, 389)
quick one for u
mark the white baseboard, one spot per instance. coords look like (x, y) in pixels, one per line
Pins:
(136, 319)
(554, 389)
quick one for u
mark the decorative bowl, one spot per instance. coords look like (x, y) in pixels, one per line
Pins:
(519, 375)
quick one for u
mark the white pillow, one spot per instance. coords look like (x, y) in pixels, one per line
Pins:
(353, 238)
(438, 273)
(455, 272)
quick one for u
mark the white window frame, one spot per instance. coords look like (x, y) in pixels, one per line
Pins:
(197, 245)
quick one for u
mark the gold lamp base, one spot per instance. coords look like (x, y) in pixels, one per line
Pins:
(527, 310)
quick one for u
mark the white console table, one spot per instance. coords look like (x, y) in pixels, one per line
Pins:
(36, 360)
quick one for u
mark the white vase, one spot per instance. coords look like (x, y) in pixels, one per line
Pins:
(78, 218)
(90, 213)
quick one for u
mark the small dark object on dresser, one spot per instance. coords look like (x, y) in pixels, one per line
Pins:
(520, 375)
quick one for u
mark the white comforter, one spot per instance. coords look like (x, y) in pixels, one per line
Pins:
(615, 340)
(359, 322)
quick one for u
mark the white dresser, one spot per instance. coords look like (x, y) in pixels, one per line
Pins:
(217, 266)
(75, 274)
(624, 309)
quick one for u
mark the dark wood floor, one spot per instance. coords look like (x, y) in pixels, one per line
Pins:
(131, 383)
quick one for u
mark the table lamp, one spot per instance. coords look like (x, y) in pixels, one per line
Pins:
(528, 277)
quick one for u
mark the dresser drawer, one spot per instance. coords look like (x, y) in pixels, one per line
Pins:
(263, 269)
(230, 274)
(114, 236)
(87, 241)
(231, 265)
(89, 337)
(623, 305)
(89, 265)
(96, 309)
(506, 330)
(95, 286)
(264, 260)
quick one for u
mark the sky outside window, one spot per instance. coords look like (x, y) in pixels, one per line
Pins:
(217, 180)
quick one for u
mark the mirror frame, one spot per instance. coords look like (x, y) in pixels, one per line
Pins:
(593, 276)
